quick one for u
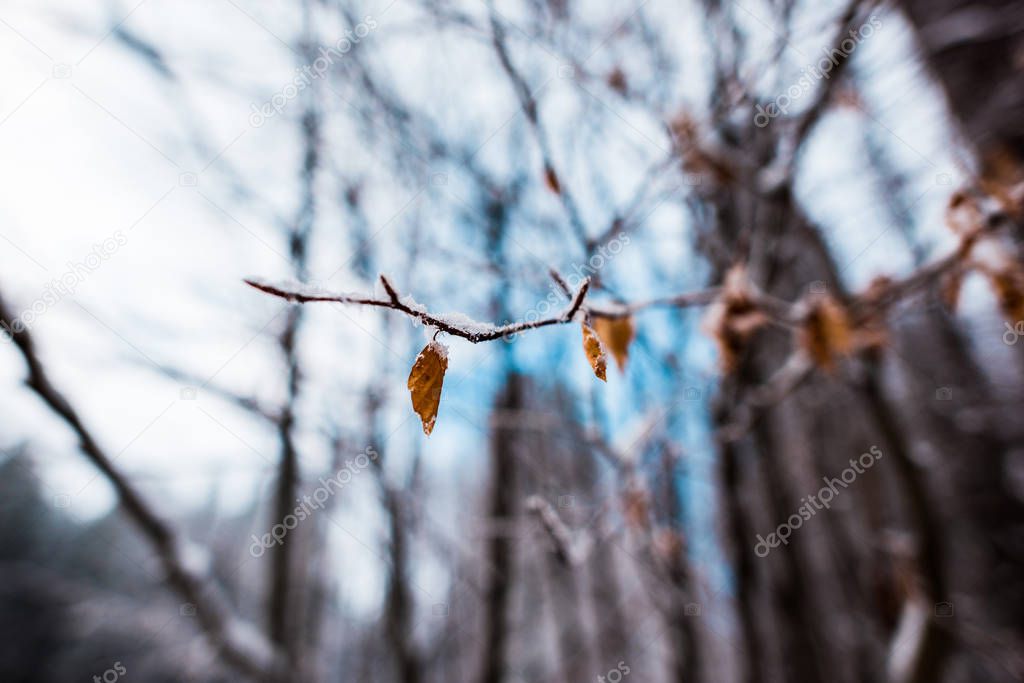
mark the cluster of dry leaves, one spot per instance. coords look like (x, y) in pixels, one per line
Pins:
(427, 375)
(825, 328)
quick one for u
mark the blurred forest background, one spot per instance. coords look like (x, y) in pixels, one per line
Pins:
(808, 213)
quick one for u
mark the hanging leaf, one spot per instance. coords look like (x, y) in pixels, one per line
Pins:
(826, 331)
(617, 81)
(425, 382)
(616, 334)
(595, 352)
(551, 180)
(733, 318)
(997, 260)
(1008, 285)
(1002, 178)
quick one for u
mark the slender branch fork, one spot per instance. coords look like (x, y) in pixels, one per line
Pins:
(792, 374)
(784, 313)
(472, 331)
(260, 659)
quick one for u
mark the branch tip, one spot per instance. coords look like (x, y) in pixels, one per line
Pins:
(577, 301)
(560, 281)
(389, 288)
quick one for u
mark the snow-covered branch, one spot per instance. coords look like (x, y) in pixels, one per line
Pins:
(456, 324)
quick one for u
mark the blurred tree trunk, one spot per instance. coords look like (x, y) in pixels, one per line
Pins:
(785, 256)
(976, 51)
(499, 555)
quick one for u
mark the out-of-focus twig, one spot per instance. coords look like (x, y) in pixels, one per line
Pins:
(566, 551)
(791, 375)
(238, 643)
(854, 14)
(528, 103)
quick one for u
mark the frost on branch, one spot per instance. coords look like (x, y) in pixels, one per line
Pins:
(826, 329)
(456, 324)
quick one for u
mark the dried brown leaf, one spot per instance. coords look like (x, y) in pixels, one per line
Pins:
(551, 180)
(826, 331)
(1002, 174)
(617, 81)
(425, 381)
(616, 334)
(595, 352)
(1008, 285)
(733, 318)
(698, 158)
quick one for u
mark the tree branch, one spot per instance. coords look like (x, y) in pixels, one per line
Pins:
(874, 301)
(456, 325)
(238, 643)
(554, 181)
(567, 552)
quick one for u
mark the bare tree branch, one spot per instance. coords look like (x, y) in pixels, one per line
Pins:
(238, 643)
(565, 550)
(457, 326)
(528, 103)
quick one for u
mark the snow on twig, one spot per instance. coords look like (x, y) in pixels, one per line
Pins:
(456, 324)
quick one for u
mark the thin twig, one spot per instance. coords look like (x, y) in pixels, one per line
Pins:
(852, 15)
(791, 375)
(528, 103)
(565, 550)
(470, 330)
(250, 404)
(782, 313)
